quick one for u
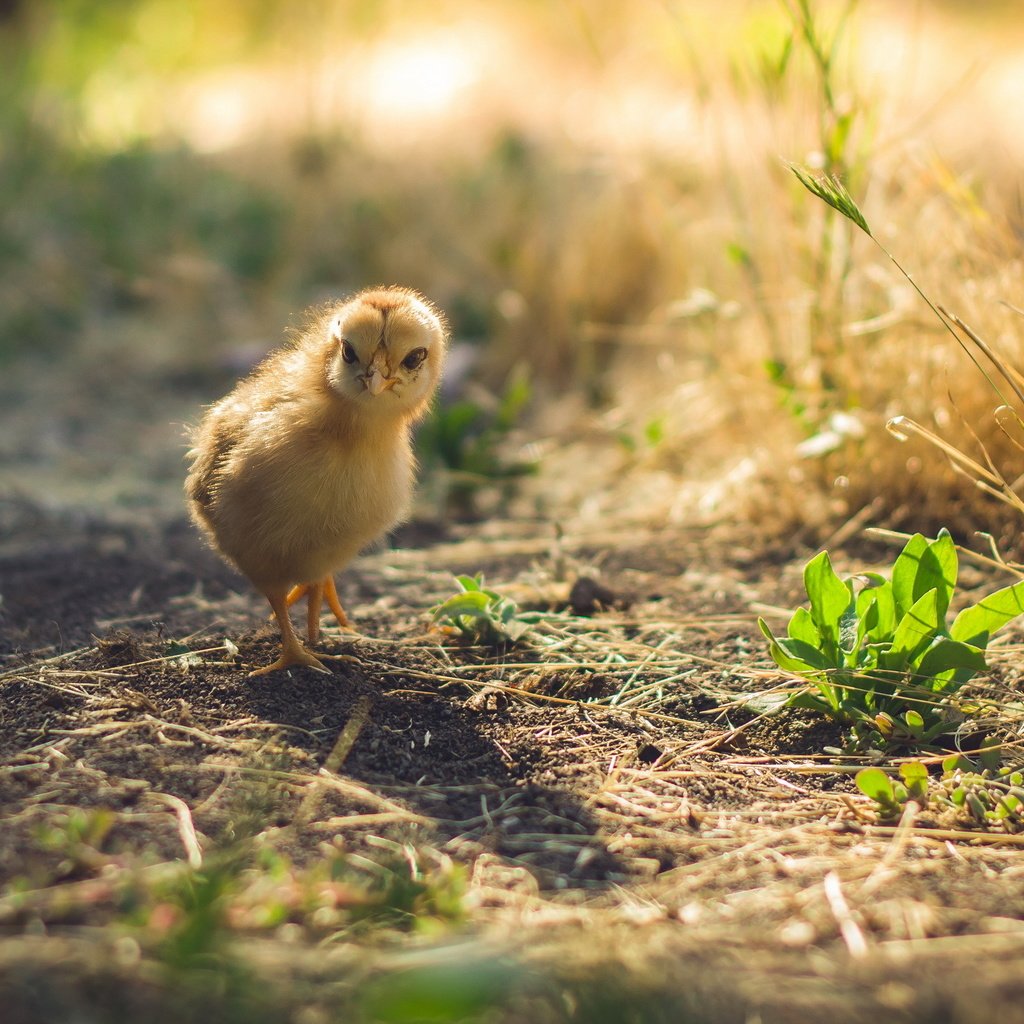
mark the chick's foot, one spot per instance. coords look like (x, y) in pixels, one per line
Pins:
(294, 655)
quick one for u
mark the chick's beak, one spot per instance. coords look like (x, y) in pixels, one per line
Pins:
(377, 382)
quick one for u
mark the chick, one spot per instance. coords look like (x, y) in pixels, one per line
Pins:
(309, 459)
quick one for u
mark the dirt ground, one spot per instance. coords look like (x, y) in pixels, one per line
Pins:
(696, 841)
(617, 813)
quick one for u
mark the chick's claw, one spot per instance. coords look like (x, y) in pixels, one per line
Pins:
(293, 655)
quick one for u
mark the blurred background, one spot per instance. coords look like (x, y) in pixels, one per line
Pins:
(653, 319)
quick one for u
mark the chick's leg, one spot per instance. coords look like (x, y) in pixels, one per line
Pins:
(315, 593)
(331, 593)
(292, 651)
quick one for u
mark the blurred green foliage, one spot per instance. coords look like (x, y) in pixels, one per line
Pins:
(88, 233)
(464, 444)
(109, 211)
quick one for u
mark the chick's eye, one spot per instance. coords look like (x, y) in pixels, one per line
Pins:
(414, 358)
(348, 353)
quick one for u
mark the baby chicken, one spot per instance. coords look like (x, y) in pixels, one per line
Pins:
(309, 459)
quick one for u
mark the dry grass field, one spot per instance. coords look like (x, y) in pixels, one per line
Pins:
(671, 376)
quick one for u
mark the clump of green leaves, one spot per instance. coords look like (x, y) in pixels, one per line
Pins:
(983, 793)
(464, 443)
(892, 796)
(976, 791)
(482, 616)
(878, 651)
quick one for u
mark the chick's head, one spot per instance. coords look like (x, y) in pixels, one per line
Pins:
(388, 347)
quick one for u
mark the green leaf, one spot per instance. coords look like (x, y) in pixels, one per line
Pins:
(939, 569)
(473, 603)
(976, 624)
(809, 702)
(802, 627)
(738, 254)
(1008, 806)
(849, 629)
(837, 138)
(810, 655)
(916, 630)
(914, 721)
(956, 762)
(874, 783)
(991, 753)
(768, 703)
(921, 567)
(913, 772)
(948, 654)
(830, 596)
(867, 613)
(517, 394)
(904, 572)
(881, 622)
(799, 657)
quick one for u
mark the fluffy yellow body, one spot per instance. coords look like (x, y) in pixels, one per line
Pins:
(309, 460)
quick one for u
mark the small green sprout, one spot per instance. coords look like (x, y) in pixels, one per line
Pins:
(878, 651)
(408, 894)
(979, 793)
(891, 797)
(78, 838)
(481, 616)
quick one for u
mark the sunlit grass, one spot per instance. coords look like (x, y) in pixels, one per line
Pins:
(597, 194)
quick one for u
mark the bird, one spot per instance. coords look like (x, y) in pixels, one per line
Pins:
(309, 459)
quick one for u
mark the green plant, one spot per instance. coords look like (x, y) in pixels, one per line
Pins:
(78, 838)
(831, 191)
(650, 438)
(879, 653)
(481, 616)
(196, 907)
(891, 797)
(406, 893)
(985, 793)
(463, 443)
(976, 792)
